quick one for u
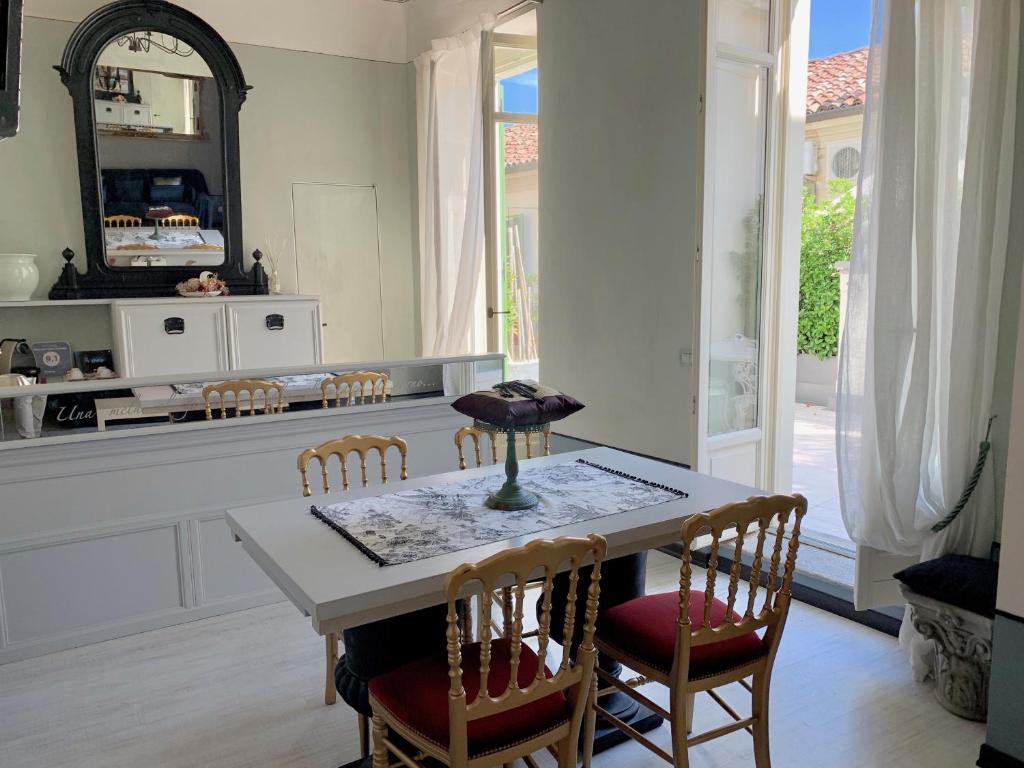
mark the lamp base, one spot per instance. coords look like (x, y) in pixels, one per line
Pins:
(510, 497)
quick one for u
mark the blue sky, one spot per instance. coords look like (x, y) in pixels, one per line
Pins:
(839, 25)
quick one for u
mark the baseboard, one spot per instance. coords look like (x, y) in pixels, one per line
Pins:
(87, 636)
(991, 757)
(805, 594)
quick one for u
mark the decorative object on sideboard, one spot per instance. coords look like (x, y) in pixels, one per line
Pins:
(19, 276)
(53, 358)
(100, 279)
(23, 414)
(514, 407)
(207, 285)
(10, 66)
(259, 275)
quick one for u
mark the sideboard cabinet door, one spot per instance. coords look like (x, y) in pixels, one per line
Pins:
(264, 333)
(181, 336)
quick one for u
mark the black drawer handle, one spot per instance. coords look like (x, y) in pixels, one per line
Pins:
(275, 322)
(174, 325)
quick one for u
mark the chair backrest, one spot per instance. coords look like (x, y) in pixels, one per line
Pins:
(250, 387)
(752, 518)
(180, 220)
(121, 220)
(476, 435)
(342, 447)
(516, 567)
(370, 384)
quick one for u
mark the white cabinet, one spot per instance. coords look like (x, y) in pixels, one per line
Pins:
(109, 112)
(159, 337)
(268, 333)
(138, 114)
(120, 113)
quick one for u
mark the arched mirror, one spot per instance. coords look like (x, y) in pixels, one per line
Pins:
(156, 96)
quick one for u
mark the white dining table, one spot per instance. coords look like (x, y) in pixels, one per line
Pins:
(339, 587)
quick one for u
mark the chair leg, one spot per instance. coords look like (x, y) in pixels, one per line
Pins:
(690, 700)
(680, 724)
(590, 724)
(566, 753)
(759, 709)
(380, 752)
(330, 691)
(364, 736)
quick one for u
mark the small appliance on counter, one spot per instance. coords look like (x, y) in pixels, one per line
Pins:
(17, 357)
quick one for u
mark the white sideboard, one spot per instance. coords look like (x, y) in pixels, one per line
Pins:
(156, 337)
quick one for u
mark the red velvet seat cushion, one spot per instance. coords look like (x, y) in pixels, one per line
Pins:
(645, 629)
(417, 695)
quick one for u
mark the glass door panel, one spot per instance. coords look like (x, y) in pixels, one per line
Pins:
(735, 251)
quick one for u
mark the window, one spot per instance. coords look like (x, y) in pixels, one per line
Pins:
(514, 159)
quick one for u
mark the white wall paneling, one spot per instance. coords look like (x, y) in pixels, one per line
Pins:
(112, 537)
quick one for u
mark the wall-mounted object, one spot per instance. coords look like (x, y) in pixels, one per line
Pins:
(10, 65)
(178, 247)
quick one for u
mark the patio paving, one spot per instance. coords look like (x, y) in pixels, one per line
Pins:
(815, 474)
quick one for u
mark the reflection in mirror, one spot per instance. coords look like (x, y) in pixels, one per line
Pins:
(158, 133)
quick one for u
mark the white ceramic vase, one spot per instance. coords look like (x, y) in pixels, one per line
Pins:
(19, 276)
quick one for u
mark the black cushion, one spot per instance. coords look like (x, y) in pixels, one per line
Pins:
(489, 406)
(960, 580)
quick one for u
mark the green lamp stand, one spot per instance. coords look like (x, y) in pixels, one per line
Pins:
(511, 496)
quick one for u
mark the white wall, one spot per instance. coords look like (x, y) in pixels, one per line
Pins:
(618, 216)
(1011, 564)
(365, 29)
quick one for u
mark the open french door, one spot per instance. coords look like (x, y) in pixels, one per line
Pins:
(749, 253)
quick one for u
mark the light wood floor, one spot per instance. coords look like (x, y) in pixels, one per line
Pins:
(246, 690)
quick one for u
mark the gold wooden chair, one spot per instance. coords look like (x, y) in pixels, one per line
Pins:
(476, 435)
(492, 702)
(180, 220)
(690, 641)
(237, 388)
(368, 383)
(121, 221)
(342, 447)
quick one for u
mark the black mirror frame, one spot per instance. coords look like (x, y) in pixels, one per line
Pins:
(88, 40)
(10, 65)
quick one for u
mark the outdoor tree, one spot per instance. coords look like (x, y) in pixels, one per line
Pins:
(826, 237)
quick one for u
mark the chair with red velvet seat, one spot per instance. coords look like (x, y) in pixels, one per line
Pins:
(690, 641)
(489, 703)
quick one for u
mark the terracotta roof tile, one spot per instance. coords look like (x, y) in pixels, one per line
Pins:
(836, 82)
(522, 146)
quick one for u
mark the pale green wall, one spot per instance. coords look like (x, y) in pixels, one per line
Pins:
(618, 216)
(309, 117)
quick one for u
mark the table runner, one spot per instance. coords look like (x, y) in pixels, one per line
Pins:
(425, 522)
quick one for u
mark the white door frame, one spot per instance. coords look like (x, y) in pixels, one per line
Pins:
(786, 63)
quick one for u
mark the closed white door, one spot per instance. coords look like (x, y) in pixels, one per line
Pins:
(337, 251)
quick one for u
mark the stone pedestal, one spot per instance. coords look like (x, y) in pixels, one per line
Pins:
(963, 653)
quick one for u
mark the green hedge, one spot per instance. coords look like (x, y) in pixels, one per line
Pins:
(825, 238)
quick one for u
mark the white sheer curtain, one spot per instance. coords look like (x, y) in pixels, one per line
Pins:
(449, 125)
(930, 241)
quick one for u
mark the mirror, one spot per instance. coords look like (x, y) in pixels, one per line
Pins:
(156, 95)
(10, 65)
(158, 144)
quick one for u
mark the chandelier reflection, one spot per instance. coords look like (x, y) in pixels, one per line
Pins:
(142, 42)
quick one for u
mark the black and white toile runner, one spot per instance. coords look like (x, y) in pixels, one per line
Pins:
(425, 522)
